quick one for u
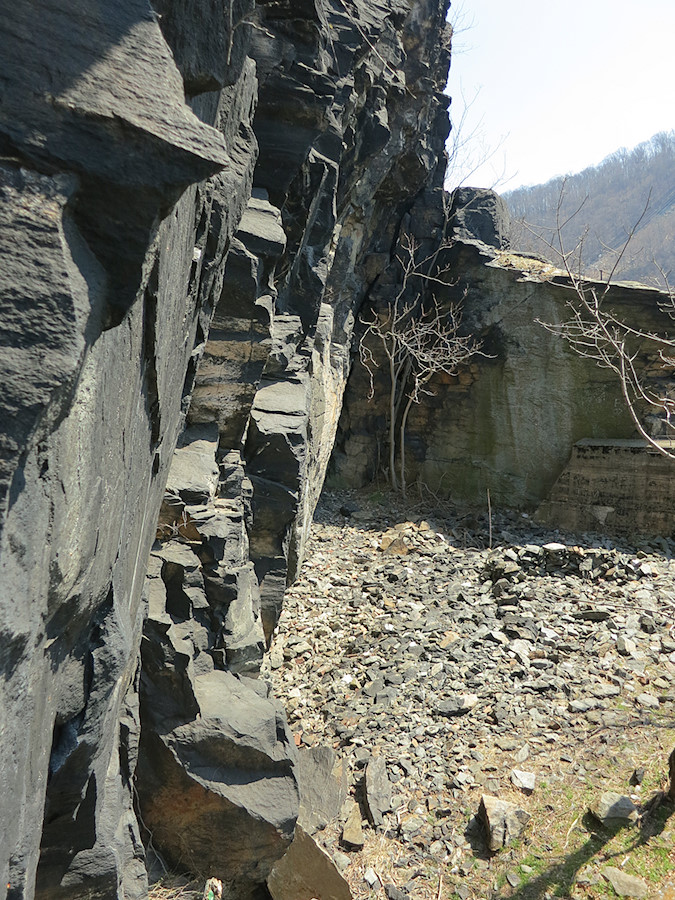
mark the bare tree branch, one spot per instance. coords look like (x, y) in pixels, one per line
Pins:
(419, 339)
(595, 332)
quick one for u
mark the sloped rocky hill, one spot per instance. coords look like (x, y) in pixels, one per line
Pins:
(191, 193)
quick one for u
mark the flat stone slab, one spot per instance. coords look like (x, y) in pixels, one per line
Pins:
(626, 885)
(306, 872)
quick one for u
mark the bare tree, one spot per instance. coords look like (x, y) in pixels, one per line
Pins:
(594, 331)
(419, 339)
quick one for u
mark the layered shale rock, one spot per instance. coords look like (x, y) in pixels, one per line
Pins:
(272, 376)
(128, 154)
(113, 248)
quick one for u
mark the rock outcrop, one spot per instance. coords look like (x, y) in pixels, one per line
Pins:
(129, 138)
(508, 420)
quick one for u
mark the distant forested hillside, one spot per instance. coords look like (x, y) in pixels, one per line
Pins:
(612, 196)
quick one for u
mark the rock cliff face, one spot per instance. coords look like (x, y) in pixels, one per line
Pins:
(508, 420)
(139, 239)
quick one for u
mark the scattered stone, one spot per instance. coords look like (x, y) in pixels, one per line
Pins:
(406, 664)
(341, 860)
(378, 790)
(647, 701)
(371, 879)
(523, 753)
(410, 826)
(506, 743)
(323, 786)
(638, 776)
(525, 781)
(352, 831)
(613, 809)
(394, 893)
(503, 821)
(625, 645)
(513, 879)
(625, 885)
(457, 705)
(306, 871)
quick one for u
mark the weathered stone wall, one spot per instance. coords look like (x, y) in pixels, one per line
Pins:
(508, 421)
(103, 308)
(621, 486)
(128, 145)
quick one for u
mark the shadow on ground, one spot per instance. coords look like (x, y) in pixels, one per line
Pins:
(559, 879)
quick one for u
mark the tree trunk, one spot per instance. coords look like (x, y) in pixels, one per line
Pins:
(392, 423)
(404, 422)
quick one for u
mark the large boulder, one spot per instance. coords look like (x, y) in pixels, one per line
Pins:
(479, 214)
(219, 794)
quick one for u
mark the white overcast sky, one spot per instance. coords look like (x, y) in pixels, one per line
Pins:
(554, 86)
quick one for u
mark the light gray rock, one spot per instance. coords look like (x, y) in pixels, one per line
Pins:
(352, 830)
(626, 885)
(371, 879)
(322, 781)
(457, 705)
(647, 701)
(614, 809)
(194, 473)
(503, 821)
(377, 789)
(526, 781)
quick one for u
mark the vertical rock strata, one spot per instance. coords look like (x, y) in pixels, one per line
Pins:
(128, 141)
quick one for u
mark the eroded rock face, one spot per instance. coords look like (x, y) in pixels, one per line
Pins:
(342, 91)
(104, 303)
(127, 178)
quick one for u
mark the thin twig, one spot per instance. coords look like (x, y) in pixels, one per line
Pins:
(489, 518)
(569, 832)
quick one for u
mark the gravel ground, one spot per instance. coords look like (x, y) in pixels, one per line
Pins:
(459, 650)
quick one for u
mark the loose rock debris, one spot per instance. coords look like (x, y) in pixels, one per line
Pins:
(411, 647)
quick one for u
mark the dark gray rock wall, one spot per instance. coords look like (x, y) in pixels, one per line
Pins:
(104, 306)
(129, 136)
(351, 123)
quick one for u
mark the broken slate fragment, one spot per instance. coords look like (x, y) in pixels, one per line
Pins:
(352, 832)
(614, 809)
(647, 701)
(503, 821)
(370, 877)
(457, 705)
(322, 782)
(394, 893)
(625, 885)
(378, 790)
(306, 871)
(523, 780)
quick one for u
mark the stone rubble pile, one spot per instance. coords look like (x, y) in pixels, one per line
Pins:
(441, 670)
